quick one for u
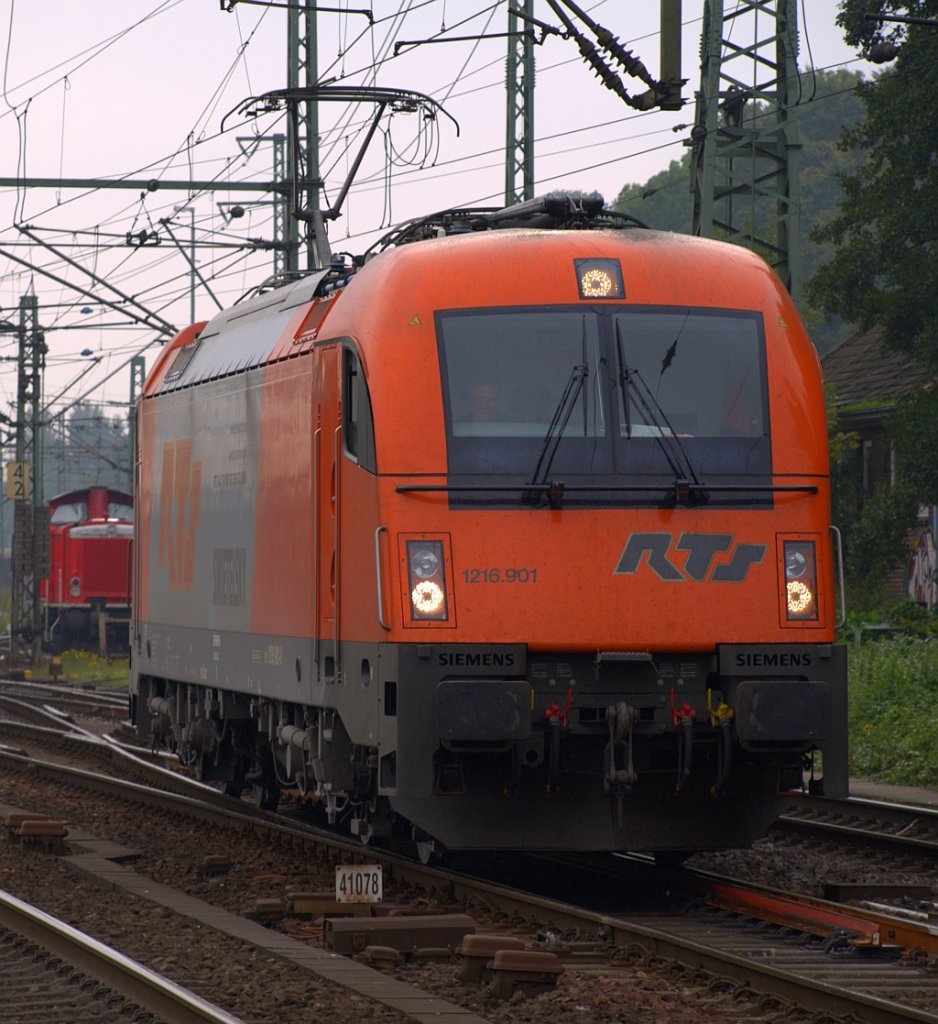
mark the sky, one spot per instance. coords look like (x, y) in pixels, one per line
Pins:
(151, 89)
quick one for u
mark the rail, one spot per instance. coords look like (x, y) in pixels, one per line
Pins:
(156, 994)
(814, 985)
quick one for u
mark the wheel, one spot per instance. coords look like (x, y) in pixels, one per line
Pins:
(426, 851)
(265, 798)
(429, 851)
(667, 859)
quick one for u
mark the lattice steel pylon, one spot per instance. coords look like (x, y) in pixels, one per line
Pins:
(285, 226)
(302, 155)
(745, 136)
(519, 90)
(30, 562)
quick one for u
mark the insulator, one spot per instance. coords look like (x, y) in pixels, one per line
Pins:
(882, 52)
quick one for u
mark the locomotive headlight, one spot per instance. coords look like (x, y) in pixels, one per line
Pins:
(795, 564)
(74, 586)
(800, 558)
(425, 563)
(426, 570)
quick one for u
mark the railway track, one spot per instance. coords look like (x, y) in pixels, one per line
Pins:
(70, 698)
(897, 827)
(49, 969)
(773, 943)
(732, 944)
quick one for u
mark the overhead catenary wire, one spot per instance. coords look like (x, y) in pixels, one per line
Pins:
(151, 207)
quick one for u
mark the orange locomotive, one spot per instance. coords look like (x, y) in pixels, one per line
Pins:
(514, 536)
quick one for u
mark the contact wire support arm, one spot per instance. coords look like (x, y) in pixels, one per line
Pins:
(396, 99)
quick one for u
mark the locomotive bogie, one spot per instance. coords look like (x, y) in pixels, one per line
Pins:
(469, 548)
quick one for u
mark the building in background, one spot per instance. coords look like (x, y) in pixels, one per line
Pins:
(866, 383)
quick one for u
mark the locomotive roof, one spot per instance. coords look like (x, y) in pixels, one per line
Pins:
(251, 333)
(81, 492)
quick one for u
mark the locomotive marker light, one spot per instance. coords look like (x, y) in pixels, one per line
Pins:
(800, 580)
(599, 279)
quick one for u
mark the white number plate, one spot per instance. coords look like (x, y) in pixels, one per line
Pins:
(358, 883)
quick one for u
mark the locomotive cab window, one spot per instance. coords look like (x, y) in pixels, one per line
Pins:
(357, 422)
(69, 512)
(601, 397)
(697, 373)
(517, 377)
(696, 379)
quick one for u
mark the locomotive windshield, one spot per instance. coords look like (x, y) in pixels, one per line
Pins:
(69, 512)
(120, 510)
(605, 396)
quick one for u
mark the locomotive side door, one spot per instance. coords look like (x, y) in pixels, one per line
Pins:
(326, 440)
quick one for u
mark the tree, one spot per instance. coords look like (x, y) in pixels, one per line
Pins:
(884, 268)
(663, 202)
(828, 102)
(87, 447)
(876, 525)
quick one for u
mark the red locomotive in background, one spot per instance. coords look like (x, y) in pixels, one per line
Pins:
(86, 599)
(514, 536)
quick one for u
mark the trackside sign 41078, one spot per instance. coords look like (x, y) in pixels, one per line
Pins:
(710, 557)
(358, 883)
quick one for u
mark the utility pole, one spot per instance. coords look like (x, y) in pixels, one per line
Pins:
(519, 89)
(24, 486)
(191, 211)
(744, 158)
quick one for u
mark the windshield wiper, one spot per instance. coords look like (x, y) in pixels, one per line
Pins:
(631, 381)
(623, 382)
(685, 478)
(537, 486)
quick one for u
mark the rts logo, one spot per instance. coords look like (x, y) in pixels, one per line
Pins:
(180, 503)
(699, 563)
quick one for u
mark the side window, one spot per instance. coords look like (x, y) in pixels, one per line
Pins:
(358, 430)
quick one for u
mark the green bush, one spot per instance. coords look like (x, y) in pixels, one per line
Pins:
(893, 718)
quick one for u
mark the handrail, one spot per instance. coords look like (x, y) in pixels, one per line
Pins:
(839, 559)
(317, 554)
(378, 579)
(337, 554)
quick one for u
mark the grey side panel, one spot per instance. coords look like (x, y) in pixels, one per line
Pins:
(202, 525)
(277, 667)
